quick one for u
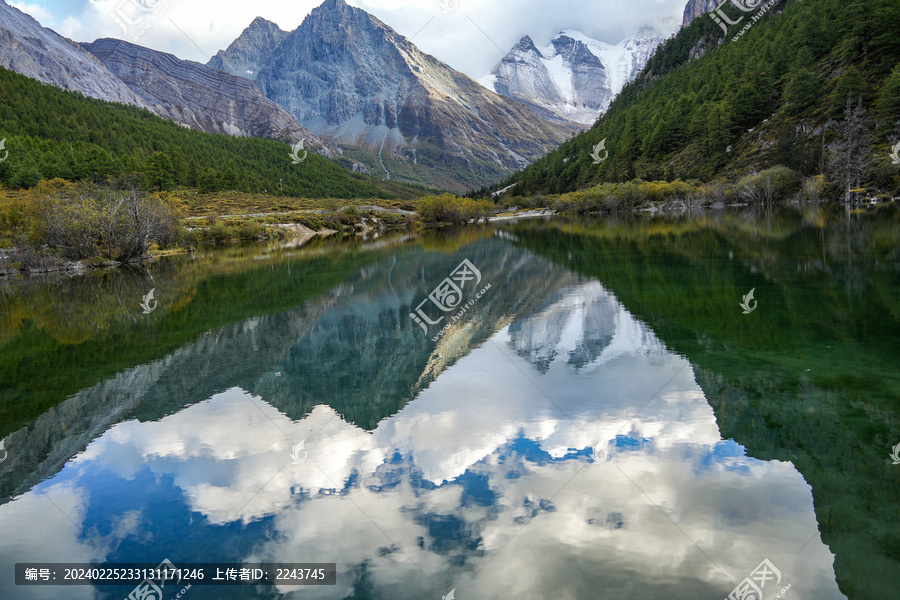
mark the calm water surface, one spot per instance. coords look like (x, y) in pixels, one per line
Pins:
(603, 422)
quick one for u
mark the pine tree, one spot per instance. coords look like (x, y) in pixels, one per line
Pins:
(230, 177)
(849, 160)
(888, 107)
(209, 181)
(802, 91)
(849, 85)
(160, 176)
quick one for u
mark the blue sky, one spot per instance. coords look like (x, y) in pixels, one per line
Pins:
(469, 35)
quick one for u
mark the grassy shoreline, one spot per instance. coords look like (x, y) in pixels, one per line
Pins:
(199, 220)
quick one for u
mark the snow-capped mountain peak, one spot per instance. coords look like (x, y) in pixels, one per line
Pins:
(574, 77)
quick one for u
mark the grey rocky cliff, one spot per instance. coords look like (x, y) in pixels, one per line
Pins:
(251, 50)
(198, 96)
(522, 75)
(697, 8)
(40, 53)
(345, 74)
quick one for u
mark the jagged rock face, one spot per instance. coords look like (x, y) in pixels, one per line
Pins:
(42, 54)
(198, 96)
(345, 74)
(522, 73)
(590, 84)
(697, 8)
(564, 79)
(250, 50)
(574, 78)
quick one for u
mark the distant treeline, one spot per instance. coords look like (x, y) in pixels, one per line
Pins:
(51, 133)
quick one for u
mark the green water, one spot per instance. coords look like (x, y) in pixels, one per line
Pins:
(604, 421)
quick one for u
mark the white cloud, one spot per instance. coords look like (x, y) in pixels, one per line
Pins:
(609, 521)
(72, 28)
(35, 10)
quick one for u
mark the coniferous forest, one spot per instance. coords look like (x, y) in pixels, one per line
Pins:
(711, 107)
(52, 133)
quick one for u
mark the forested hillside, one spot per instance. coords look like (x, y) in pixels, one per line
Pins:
(52, 133)
(710, 106)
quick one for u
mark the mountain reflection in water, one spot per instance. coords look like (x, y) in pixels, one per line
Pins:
(549, 446)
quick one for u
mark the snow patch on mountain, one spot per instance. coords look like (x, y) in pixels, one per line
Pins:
(565, 79)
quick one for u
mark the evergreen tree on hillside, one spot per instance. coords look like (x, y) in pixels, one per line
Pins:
(888, 107)
(849, 85)
(849, 160)
(209, 181)
(160, 173)
(804, 89)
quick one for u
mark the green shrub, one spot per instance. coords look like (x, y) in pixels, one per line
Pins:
(116, 221)
(777, 183)
(445, 208)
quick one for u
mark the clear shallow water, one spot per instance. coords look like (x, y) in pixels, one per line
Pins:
(552, 444)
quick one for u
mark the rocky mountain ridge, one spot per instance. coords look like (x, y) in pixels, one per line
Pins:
(198, 96)
(40, 53)
(249, 51)
(349, 77)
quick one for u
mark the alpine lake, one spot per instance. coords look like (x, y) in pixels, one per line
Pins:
(600, 409)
